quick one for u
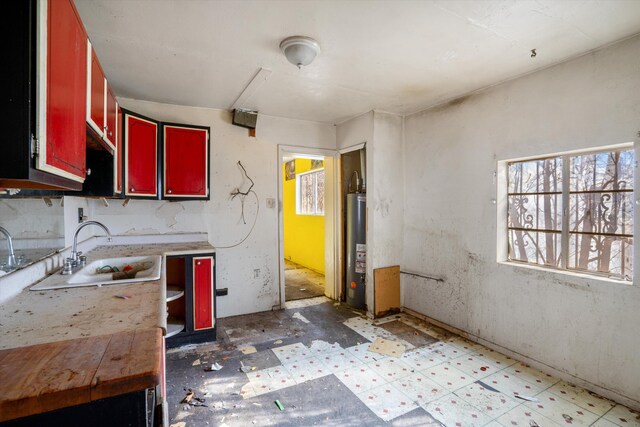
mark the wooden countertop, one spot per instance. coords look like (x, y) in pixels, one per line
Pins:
(45, 377)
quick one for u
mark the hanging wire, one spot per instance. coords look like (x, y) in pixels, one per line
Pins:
(243, 194)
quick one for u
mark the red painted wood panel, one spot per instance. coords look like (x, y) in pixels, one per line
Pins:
(66, 88)
(141, 157)
(110, 131)
(186, 158)
(202, 293)
(119, 151)
(97, 92)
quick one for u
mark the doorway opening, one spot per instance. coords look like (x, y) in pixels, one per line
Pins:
(307, 241)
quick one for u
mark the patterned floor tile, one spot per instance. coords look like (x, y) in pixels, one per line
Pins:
(512, 385)
(561, 411)
(360, 379)
(391, 368)
(339, 361)
(270, 379)
(474, 366)
(455, 412)
(447, 376)
(387, 402)
(292, 352)
(449, 351)
(521, 416)
(421, 358)
(602, 422)
(362, 352)
(581, 397)
(623, 416)
(306, 369)
(498, 359)
(532, 375)
(420, 388)
(488, 401)
(319, 347)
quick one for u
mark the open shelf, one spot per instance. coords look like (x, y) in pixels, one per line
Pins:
(174, 292)
(175, 325)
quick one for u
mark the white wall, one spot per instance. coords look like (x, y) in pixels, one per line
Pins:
(32, 218)
(221, 216)
(585, 328)
(382, 134)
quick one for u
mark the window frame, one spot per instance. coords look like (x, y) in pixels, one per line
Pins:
(315, 196)
(501, 177)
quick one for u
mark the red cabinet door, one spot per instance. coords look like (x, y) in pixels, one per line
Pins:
(110, 117)
(62, 59)
(141, 156)
(186, 161)
(203, 315)
(96, 96)
(117, 155)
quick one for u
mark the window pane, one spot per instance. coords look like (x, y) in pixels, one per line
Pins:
(536, 176)
(535, 247)
(306, 193)
(601, 213)
(603, 254)
(535, 211)
(612, 170)
(320, 193)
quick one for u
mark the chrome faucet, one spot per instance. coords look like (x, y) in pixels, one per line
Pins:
(11, 262)
(75, 261)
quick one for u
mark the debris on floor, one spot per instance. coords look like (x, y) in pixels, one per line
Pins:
(213, 367)
(196, 362)
(191, 399)
(248, 349)
(279, 405)
(387, 347)
(300, 317)
(179, 424)
(278, 342)
(527, 398)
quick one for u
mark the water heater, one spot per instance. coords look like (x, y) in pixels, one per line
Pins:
(356, 249)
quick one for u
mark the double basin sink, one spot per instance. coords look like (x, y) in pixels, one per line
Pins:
(105, 272)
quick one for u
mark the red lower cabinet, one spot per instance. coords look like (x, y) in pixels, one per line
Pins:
(191, 304)
(202, 293)
(186, 162)
(141, 156)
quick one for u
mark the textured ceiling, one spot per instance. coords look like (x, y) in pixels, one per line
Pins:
(396, 56)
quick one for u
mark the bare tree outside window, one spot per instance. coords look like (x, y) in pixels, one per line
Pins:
(598, 199)
(310, 193)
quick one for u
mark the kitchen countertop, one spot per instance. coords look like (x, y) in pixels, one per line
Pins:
(38, 317)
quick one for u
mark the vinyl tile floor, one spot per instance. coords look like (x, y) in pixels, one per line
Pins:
(301, 282)
(313, 358)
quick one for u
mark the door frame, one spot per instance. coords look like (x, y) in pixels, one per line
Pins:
(333, 250)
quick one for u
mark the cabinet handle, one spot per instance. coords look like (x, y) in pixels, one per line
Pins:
(198, 263)
(88, 171)
(169, 191)
(133, 189)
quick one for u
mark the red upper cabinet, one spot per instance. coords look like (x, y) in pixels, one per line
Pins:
(61, 99)
(203, 289)
(186, 162)
(141, 156)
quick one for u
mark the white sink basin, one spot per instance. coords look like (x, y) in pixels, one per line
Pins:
(90, 275)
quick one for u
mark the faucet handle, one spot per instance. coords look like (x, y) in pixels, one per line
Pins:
(68, 267)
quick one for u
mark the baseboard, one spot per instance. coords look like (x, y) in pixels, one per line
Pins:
(602, 391)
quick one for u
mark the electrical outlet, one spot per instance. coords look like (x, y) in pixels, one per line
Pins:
(81, 217)
(271, 203)
(256, 273)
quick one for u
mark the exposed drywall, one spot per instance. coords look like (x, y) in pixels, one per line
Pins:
(303, 234)
(585, 328)
(249, 270)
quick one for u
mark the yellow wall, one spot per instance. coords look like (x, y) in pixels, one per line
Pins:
(303, 234)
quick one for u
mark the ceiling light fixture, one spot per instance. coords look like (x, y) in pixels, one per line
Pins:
(300, 50)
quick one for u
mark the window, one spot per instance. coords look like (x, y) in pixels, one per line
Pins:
(573, 212)
(310, 193)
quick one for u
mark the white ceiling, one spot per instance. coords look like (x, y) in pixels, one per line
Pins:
(397, 56)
